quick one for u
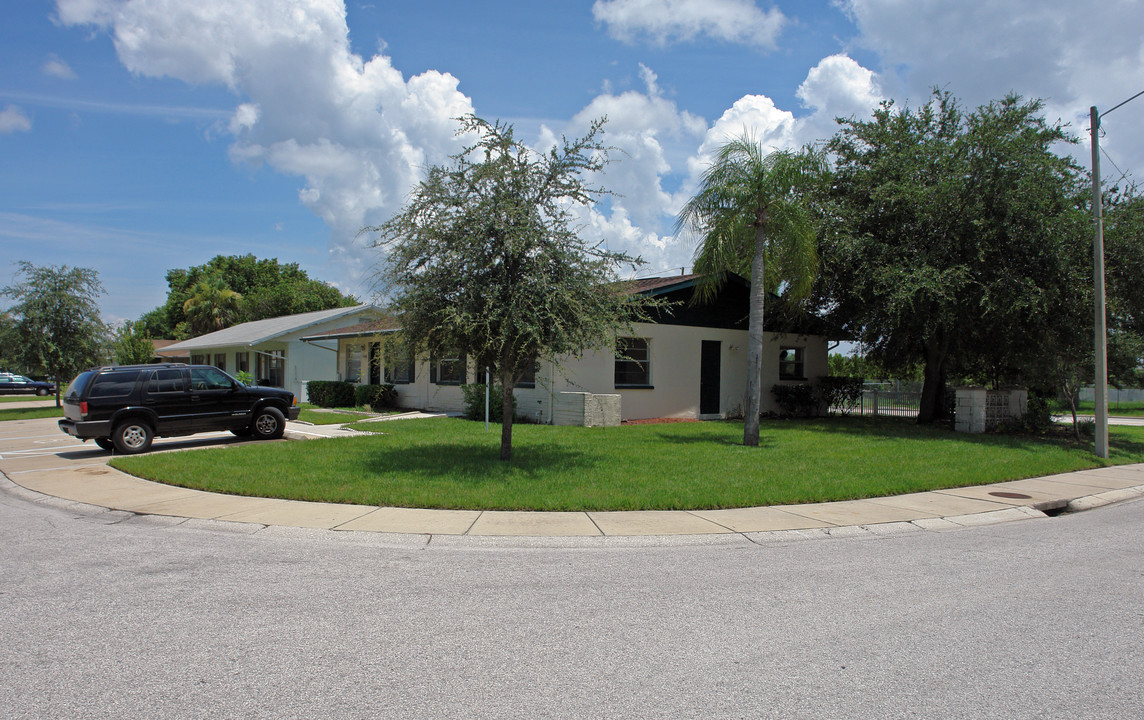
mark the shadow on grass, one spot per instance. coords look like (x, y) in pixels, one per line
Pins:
(475, 463)
(907, 429)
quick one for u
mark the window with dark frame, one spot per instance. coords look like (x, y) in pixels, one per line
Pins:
(399, 368)
(242, 362)
(633, 363)
(448, 370)
(791, 364)
(220, 361)
(270, 368)
(528, 378)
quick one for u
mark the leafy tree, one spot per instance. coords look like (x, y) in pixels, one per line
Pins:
(953, 237)
(752, 214)
(57, 321)
(132, 344)
(9, 343)
(483, 259)
(268, 289)
(1124, 268)
(212, 305)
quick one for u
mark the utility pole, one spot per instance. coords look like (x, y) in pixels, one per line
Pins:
(1100, 332)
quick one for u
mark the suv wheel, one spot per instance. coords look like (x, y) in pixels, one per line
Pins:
(268, 424)
(41, 392)
(132, 436)
(105, 443)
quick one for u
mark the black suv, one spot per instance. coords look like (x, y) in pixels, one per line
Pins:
(125, 407)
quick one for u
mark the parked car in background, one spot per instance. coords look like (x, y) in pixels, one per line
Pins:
(20, 385)
(125, 407)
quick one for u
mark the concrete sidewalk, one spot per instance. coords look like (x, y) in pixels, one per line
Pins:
(83, 481)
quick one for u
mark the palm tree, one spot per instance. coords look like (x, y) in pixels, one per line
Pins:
(212, 305)
(752, 217)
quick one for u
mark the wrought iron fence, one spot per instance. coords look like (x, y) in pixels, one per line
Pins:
(891, 402)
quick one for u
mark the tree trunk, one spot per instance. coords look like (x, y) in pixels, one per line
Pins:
(932, 405)
(755, 342)
(506, 412)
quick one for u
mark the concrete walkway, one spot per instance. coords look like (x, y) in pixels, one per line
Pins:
(41, 464)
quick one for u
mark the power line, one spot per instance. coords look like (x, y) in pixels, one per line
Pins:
(1121, 104)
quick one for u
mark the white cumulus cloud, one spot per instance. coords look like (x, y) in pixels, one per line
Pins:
(665, 21)
(1071, 55)
(57, 67)
(356, 130)
(14, 119)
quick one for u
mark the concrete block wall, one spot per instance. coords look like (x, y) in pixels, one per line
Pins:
(979, 410)
(970, 414)
(586, 409)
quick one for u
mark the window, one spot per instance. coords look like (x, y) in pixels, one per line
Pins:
(791, 366)
(633, 363)
(115, 384)
(210, 379)
(166, 381)
(399, 367)
(270, 368)
(199, 359)
(353, 363)
(220, 361)
(448, 370)
(528, 379)
(242, 362)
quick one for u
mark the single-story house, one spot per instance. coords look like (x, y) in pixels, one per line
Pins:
(272, 351)
(690, 361)
(159, 356)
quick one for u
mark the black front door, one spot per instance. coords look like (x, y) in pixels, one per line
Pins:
(709, 378)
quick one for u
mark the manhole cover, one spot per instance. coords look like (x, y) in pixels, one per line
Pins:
(1013, 495)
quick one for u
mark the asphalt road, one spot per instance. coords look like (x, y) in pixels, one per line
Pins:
(111, 615)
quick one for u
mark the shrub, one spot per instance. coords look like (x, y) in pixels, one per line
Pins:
(377, 397)
(475, 402)
(330, 393)
(843, 393)
(796, 400)
(1038, 415)
(1037, 420)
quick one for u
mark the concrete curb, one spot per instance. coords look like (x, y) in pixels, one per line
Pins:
(871, 530)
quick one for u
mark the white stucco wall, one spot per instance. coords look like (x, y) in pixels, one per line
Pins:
(675, 362)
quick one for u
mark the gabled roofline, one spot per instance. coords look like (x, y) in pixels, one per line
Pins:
(348, 311)
(198, 343)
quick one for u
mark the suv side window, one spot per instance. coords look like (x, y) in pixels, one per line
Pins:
(209, 378)
(166, 381)
(114, 384)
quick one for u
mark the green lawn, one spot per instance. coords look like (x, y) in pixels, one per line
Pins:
(451, 463)
(30, 413)
(26, 398)
(1129, 409)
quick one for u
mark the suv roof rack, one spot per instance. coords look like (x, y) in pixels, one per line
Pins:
(140, 366)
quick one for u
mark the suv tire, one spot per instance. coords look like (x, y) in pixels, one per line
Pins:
(132, 436)
(268, 424)
(105, 443)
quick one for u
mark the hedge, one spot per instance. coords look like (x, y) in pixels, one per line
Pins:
(330, 393)
(377, 397)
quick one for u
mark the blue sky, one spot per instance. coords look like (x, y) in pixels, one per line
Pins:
(138, 135)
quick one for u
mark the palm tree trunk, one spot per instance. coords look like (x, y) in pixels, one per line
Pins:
(755, 341)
